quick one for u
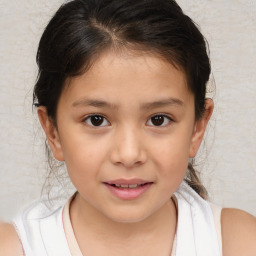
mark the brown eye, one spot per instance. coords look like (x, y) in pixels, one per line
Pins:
(96, 120)
(159, 120)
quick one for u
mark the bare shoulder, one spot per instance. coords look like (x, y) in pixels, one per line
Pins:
(9, 241)
(238, 233)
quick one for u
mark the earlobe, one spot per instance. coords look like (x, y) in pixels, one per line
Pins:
(51, 133)
(200, 127)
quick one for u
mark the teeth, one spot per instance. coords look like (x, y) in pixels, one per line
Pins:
(133, 186)
(127, 185)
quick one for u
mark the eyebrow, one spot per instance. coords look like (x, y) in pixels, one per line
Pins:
(162, 103)
(150, 105)
(94, 103)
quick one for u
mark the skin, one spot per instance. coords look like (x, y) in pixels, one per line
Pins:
(129, 145)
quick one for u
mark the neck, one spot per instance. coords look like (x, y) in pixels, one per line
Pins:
(91, 225)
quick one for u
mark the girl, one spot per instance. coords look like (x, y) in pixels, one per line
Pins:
(121, 97)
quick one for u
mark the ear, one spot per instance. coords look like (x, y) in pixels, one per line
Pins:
(51, 133)
(200, 127)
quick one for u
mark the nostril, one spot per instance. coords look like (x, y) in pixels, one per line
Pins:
(128, 155)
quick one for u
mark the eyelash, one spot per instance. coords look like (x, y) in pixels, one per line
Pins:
(164, 116)
(102, 116)
(95, 115)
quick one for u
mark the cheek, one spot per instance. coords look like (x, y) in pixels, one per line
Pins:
(172, 149)
(171, 155)
(83, 155)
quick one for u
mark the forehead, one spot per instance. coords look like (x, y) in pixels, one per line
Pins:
(141, 75)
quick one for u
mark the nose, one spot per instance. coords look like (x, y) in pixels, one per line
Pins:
(128, 148)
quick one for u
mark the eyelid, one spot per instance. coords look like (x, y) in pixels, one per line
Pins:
(164, 115)
(95, 114)
(84, 119)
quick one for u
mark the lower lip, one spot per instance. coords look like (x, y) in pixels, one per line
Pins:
(128, 193)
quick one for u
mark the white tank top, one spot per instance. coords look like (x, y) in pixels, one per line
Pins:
(41, 230)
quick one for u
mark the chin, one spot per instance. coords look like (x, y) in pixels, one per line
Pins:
(128, 217)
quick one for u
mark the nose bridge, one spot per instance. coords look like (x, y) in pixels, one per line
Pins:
(128, 146)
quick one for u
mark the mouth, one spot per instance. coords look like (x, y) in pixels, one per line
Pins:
(128, 189)
(128, 186)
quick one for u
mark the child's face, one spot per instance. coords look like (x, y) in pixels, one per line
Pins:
(129, 119)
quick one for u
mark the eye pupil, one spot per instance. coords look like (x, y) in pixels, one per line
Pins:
(97, 120)
(157, 120)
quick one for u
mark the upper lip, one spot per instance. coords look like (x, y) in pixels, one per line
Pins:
(127, 181)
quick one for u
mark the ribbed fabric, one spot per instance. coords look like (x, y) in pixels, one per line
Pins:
(42, 231)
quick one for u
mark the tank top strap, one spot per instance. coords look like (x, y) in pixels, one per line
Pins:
(196, 233)
(41, 231)
(216, 210)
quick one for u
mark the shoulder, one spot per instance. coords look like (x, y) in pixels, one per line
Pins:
(238, 233)
(9, 241)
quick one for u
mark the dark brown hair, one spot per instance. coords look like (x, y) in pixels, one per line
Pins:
(82, 29)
